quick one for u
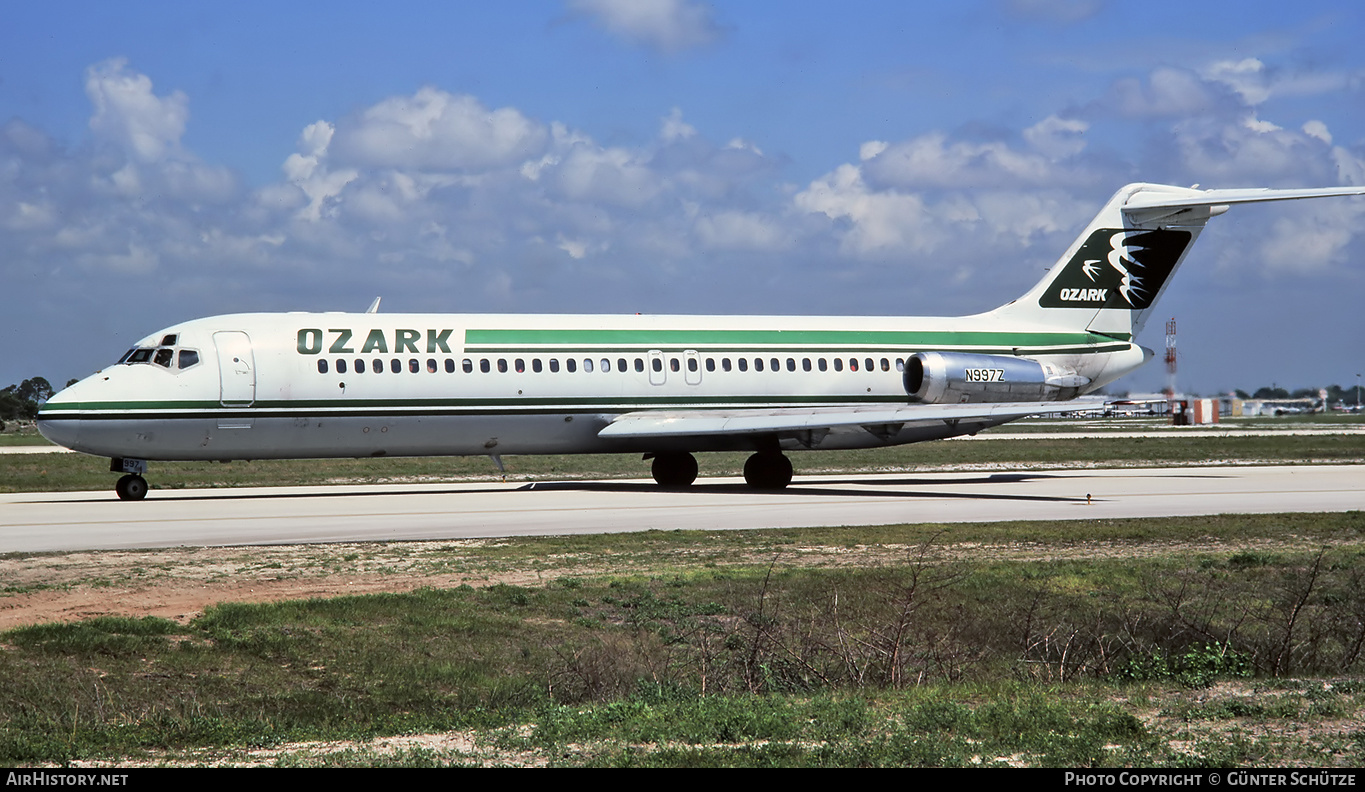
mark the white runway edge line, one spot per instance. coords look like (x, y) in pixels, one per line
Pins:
(45, 522)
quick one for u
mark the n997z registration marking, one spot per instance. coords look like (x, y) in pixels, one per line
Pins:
(984, 375)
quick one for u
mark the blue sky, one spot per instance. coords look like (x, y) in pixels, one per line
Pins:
(164, 161)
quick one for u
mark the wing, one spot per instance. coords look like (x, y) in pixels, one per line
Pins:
(806, 425)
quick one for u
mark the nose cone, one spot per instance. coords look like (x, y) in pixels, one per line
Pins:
(57, 423)
(62, 431)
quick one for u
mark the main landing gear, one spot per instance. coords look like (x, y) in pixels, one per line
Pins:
(132, 486)
(674, 469)
(766, 470)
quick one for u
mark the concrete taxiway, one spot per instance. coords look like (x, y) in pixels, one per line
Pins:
(1066, 431)
(38, 522)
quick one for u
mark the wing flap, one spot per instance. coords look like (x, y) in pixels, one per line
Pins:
(692, 423)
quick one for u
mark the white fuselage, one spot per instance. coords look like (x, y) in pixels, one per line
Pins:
(307, 385)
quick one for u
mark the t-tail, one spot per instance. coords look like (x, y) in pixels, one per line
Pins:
(1110, 278)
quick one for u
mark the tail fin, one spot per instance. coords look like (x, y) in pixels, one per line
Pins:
(1113, 274)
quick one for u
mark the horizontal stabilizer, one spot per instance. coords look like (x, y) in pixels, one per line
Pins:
(1150, 205)
(667, 423)
(1165, 200)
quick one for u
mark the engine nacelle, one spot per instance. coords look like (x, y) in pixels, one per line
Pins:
(961, 378)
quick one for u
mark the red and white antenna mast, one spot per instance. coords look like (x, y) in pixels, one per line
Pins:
(1170, 366)
(1170, 359)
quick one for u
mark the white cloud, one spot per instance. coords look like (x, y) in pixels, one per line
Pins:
(608, 175)
(933, 161)
(306, 171)
(1023, 217)
(1307, 240)
(1168, 92)
(733, 230)
(194, 181)
(127, 181)
(566, 192)
(957, 199)
(1255, 82)
(1350, 167)
(872, 148)
(1248, 150)
(25, 216)
(576, 249)
(1247, 77)
(435, 130)
(666, 25)
(491, 202)
(138, 259)
(881, 221)
(1222, 131)
(1317, 129)
(128, 114)
(1057, 138)
(944, 229)
(740, 144)
(673, 128)
(146, 130)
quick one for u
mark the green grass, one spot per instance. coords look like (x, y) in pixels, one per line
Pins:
(755, 649)
(65, 472)
(22, 434)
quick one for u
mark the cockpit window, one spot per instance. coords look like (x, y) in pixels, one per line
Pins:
(168, 357)
(169, 340)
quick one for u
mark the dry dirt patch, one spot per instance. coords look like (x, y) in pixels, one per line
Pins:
(179, 583)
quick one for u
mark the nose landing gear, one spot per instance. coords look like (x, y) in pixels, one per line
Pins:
(132, 486)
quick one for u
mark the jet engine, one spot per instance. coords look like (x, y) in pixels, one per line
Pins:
(961, 378)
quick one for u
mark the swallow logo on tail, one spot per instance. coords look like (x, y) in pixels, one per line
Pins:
(1117, 268)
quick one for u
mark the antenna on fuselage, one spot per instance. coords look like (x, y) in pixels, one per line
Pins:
(374, 306)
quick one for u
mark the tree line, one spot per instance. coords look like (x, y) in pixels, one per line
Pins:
(1335, 394)
(20, 402)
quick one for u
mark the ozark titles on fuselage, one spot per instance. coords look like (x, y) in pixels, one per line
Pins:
(310, 341)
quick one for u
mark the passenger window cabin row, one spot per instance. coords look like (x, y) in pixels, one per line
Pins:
(606, 365)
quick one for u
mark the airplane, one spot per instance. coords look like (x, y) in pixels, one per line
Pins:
(318, 385)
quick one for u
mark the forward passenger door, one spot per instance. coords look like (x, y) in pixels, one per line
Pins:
(236, 368)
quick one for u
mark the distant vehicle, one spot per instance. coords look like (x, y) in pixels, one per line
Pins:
(301, 385)
(1132, 408)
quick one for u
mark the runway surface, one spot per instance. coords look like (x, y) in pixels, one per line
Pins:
(1066, 431)
(37, 522)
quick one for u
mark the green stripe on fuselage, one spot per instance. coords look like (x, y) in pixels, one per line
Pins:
(616, 404)
(747, 339)
(513, 351)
